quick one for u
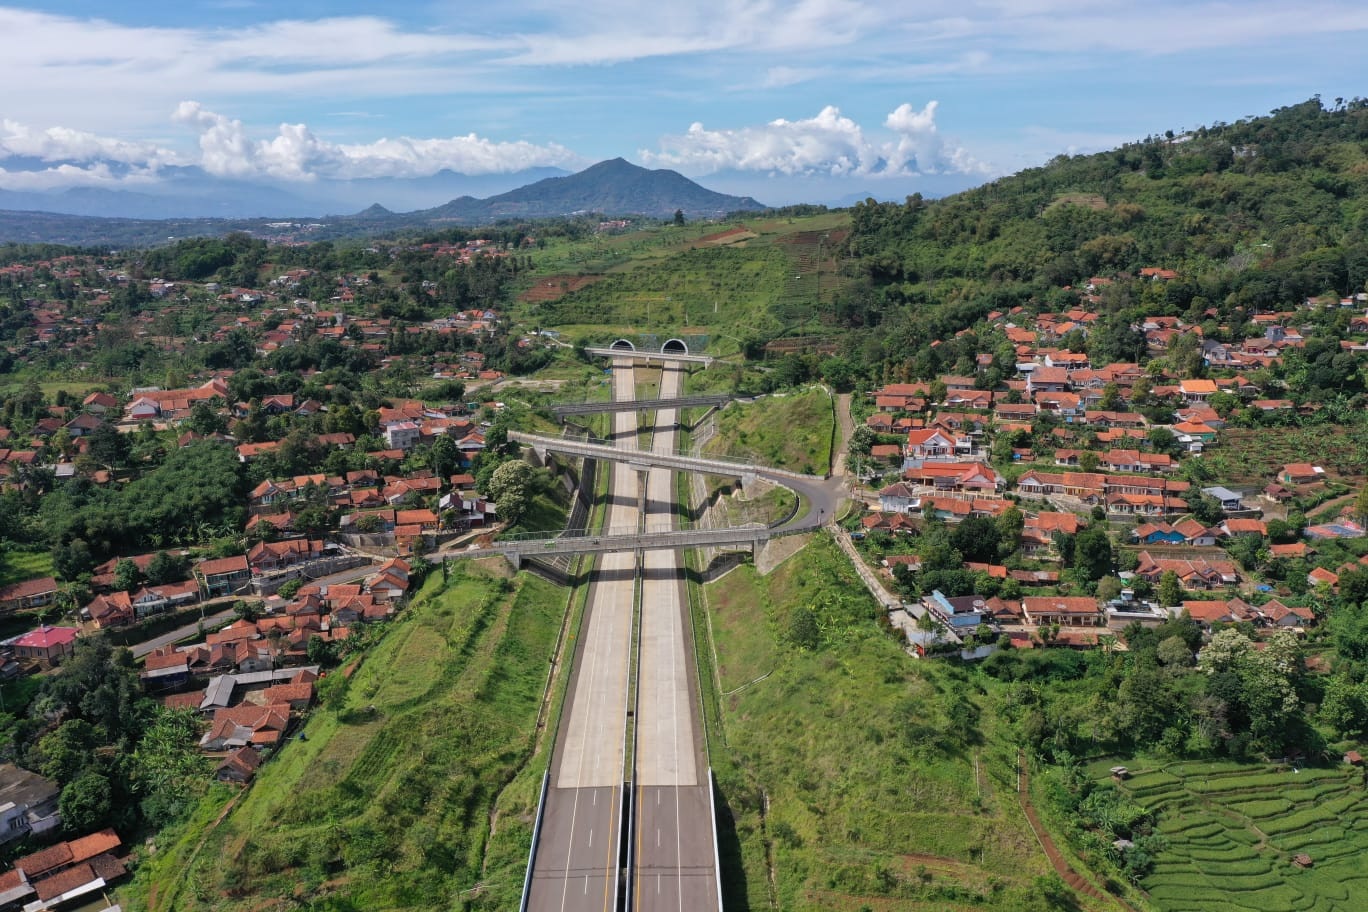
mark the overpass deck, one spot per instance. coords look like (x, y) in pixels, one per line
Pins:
(648, 357)
(599, 408)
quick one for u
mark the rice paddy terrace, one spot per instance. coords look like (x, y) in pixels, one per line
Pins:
(1235, 831)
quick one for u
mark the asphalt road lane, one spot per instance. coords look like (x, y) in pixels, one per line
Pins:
(576, 866)
(674, 855)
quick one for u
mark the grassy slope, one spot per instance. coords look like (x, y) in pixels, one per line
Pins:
(866, 777)
(16, 566)
(387, 803)
(792, 431)
(666, 281)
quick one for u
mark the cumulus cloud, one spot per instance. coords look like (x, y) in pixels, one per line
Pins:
(296, 153)
(829, 144)
(62, 144)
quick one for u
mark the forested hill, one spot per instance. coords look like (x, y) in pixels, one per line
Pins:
(1256, 215)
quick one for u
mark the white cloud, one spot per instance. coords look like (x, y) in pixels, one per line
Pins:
(828, 144)
(296, 153)
(62, 144)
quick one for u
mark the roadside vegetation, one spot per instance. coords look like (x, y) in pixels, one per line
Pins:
(385, 799)
(853, 776)
(790, 431)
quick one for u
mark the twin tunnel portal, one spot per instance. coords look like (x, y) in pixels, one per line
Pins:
(626, 822)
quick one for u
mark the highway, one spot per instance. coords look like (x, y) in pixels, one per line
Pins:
(576, 865)
(674, 853)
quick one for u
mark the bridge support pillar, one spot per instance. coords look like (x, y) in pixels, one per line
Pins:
(514, 558)
(540, 453)
(748, 481)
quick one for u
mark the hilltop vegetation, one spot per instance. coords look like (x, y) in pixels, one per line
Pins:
(1255, 215)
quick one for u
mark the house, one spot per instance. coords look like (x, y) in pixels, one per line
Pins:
(1297, 473)
(62, 872)
(1157, 534)
(34, 593)
(240, 766)
(1067, 611)
(48, 645)
(1234, 527)
(402, 435)
(1275, 614)
(1197, 390)
(1231, 501)
(929, 443)
(224, 576)
(1218, 611)
(112, 610)
(1321, 575)
(28, 803)
(269, 557)
(1196, 534)
(960, 613)
(391, 581)
(1196, 573)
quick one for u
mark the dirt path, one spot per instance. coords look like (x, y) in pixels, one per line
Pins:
(1071, 877)
(845, 426)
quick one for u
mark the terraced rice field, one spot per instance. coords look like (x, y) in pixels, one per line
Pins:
(1233, 831)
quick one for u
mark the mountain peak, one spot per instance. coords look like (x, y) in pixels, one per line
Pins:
(374, 210)
(611, 187)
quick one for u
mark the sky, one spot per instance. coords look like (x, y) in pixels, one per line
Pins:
(809, 100)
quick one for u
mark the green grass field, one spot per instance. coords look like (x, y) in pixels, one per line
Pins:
(676, 280)
(387, 804)
(856, 777)
(792, 431)
(1233, 829)
(17, 566)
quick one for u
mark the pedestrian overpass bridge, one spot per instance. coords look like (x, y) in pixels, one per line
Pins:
(646, 459)
(520, 548)
(638, 405)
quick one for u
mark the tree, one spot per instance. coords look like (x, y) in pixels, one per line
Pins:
(1170, 590)
(67, 750)
(167, 766)
(1088, 461)
(1361, 505)
(72, 559)
(679, 217)
(1010, 523)
(126, 575)
(107, 446)
(862, 441)
(511, 488)
(1205, 509)
(1093, 553)
(976, 539)
(86, 801)
(167, 568)
(1108, 588)
(444, 457)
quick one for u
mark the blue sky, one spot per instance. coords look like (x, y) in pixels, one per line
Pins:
(785, 101)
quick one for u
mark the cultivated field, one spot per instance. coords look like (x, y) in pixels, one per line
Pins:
(1233, 831)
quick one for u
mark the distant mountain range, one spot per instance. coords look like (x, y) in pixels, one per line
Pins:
(215, 207)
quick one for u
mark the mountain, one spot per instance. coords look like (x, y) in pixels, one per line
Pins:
(192, 193)
(614, 187)
(80, 216)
